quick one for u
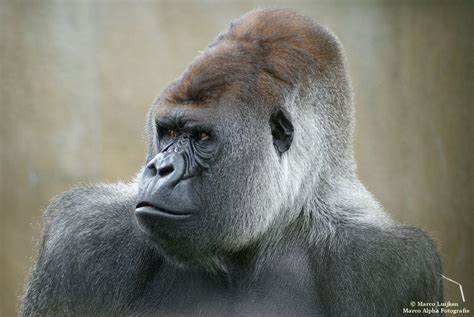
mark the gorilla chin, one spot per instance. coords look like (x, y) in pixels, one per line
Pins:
(161, 225)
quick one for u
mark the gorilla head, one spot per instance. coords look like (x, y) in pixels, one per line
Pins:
(244, 142)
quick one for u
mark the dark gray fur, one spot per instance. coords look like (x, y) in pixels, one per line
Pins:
(287, 234)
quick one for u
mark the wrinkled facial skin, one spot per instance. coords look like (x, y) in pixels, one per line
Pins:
(168, 184)
(211, 186)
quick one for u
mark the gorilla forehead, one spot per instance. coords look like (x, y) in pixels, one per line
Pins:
(265, 53)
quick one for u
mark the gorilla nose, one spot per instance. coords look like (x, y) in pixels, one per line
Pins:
(166, 165)
(162, 171)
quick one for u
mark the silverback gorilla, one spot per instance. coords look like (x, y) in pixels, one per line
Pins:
(248, 203)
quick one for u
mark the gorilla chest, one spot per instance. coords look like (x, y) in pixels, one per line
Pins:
(280, 291)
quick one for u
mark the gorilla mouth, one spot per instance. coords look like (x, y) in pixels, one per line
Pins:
(149, 209)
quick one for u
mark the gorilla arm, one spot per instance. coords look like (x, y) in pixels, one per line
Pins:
(91, 258)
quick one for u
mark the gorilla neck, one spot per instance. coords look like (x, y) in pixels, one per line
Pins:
(284, 260)
(341, 201)
(275, 251)
(260, 258)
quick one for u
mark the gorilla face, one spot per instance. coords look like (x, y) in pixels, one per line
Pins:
(213, 181)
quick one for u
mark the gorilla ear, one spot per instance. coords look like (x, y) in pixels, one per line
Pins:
(282, 131)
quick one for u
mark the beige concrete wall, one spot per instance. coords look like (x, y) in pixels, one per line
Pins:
(77, 78)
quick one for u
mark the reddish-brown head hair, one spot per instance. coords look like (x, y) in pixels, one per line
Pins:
(265, 51)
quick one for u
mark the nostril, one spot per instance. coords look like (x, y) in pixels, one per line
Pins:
(152, 169)
(165, 170)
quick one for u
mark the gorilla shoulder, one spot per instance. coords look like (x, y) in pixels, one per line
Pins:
(90, 208)
(87, 253)
(371, 262)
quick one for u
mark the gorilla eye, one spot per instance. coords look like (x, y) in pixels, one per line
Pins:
(172, 133)
(202, 136)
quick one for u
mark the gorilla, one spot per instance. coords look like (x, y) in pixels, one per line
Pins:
(248, 203)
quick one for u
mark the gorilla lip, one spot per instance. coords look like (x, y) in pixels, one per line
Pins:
(153, 210)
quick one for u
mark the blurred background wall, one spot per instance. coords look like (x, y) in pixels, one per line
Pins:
(77, 78)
